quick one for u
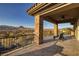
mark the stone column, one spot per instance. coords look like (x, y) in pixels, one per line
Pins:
(74, 29)
(38, 37)
(55, 29)
(75, 26)
(77, 29)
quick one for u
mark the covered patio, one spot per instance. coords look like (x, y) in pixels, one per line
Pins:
(50, 47)
(55, 13)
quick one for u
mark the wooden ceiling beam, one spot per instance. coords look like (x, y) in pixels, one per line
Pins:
(50, 19)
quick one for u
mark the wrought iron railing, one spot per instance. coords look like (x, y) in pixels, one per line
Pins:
(10, 43)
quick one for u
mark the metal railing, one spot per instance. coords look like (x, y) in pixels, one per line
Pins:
(10, 43)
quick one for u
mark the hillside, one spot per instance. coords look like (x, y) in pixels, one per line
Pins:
(6, 27)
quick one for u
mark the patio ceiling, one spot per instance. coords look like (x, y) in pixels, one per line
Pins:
(57, 12)
(63, 17)
(65, 14)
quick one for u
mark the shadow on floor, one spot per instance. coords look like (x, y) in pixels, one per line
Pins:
(49, 40)
(48, 51)
(52, 39)
(68, 38)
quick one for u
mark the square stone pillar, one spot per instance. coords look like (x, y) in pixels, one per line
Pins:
(74, 27)
(38, 37)
(55, 29)
(77, 30)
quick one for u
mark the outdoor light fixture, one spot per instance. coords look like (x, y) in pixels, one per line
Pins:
(66, 17)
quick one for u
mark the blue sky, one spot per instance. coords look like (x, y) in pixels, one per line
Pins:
(15, 15)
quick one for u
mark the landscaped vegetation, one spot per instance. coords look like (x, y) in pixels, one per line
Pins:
(15, 37)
